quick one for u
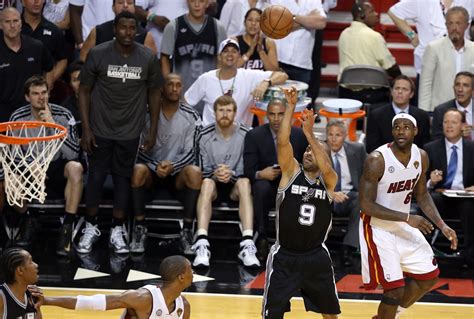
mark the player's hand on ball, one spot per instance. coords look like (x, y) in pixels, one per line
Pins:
(421, 223)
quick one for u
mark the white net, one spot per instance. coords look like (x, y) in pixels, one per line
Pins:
(25, 165)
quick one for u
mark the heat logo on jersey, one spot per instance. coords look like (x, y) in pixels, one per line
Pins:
(308, 193)
(402, 186)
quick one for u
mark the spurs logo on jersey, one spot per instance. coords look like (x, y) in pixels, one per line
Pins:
(307, 192)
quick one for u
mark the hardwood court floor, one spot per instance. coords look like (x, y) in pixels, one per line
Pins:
(210, 306)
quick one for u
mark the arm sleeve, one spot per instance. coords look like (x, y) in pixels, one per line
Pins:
(187, 156)
(256, 76)
(204, 160)
(148, 161)
(426, 78)
(168, 40)
(70, 148)
(383, 55)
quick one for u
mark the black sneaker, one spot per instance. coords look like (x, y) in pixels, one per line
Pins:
(64, 245)
(186, 240)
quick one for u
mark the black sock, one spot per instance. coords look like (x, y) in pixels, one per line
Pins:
(247, 237)
(91, 219)
(117, 221)
(140, 222)
(201, 237)
(189, 203)
(187, 224)
(69, 218)
(138, 198)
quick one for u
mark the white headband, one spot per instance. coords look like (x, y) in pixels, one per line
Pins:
(404, 116)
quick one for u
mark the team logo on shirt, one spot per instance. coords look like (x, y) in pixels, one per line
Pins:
(124, 72)
(179, 312)
(308, 193)
(391, 169)
(47, 32)
(159, 312)
(416, 164)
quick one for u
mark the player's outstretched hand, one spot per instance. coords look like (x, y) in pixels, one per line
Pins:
(291, 95)
(450, 234)
(421, 223)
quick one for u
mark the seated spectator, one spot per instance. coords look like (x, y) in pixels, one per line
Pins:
(57, 11)
(241, 84)
(72, 101)
(443, 59)
(36, 26)
(64, 172)
(452, 167)
(105, 32)
(348, 161)
(233, 12)
(194, 47)
(379, 127)
(360, 44)
(157, 14)
(21, 57)
(463, 87)
(261, 166)
(221, 147)
(86, 14)
(169, 164)
(257, 51)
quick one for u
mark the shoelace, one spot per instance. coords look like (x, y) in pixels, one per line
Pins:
(117, 237)
(90, 231)
(200, 250)
(138, 233)
(251, 249)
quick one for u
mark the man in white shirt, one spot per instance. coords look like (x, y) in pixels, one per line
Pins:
(295, 50)
(443, 58)
(233, 12)
(242, 84)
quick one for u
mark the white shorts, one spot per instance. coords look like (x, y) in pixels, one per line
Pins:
(387, 256)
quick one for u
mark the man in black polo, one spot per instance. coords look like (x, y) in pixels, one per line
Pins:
(36, 26)
(20, 58)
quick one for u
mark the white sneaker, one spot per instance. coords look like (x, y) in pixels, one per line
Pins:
(203, 254)
(91, 235)
(247, 253)
(119, 240)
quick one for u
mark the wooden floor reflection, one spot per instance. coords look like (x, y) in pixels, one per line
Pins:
(209, 306)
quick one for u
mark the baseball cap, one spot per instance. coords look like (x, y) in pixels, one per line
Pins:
(227, 42)
(404, 116)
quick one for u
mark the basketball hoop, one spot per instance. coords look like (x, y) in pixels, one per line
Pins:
(26, 149)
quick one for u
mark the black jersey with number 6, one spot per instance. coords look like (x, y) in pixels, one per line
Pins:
(304, 215)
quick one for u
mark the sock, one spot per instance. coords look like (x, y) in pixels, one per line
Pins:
(400, 310)
(91, 219)
(138, 199)
(140, 222)
(189, 203)
(69, 218)
(247, 233)
(201, 234)
(187, 224)
(117, 222)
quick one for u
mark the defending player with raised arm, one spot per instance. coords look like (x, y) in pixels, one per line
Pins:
(299, 261)
(392, 244)
(143, 303)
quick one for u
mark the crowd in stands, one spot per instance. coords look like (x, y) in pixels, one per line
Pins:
(157, 93)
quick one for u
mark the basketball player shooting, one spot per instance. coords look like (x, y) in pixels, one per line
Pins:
(391, 240)
(299, 259)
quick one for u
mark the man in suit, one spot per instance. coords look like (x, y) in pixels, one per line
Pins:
(463, 88)
(348, 160)
(261, 166)
(379, 121)
(443, 58)
(452, 167)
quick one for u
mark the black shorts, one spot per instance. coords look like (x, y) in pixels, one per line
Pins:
(223, 192)
(115, 157)
(168, 183)
(310, 273)
(55, 179)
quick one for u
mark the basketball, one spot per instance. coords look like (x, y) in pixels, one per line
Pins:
(276, 22)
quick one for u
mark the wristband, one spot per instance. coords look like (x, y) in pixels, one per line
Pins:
(150, 16)
(95, 302)
(411, 35)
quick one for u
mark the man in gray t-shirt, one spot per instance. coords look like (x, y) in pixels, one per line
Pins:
(119, 78)
(221, 147)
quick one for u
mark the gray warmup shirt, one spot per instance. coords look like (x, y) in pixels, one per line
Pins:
(119, 89)
(175, 140)
(215, 150)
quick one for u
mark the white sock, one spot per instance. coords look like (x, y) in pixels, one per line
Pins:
(201, 231)
(247, 232)
(400, 310)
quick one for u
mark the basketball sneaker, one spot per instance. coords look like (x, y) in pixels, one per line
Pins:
(248, 253)
(64, 244)
(90, 235)
(138, 239)
(203, 254)
(118, 240)
(186, 239)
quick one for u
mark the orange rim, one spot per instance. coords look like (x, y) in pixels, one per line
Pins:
(29, 124)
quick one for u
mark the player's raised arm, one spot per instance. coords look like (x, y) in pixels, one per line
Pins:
(427, 205)
(287, 162)
(319, 151)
